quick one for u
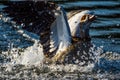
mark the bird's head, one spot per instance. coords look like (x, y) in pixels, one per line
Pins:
(80, 23)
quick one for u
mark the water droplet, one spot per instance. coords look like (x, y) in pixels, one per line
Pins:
(113, 41)
(118, 24)
(51, 32)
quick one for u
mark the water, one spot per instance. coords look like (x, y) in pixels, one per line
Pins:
(105, 33)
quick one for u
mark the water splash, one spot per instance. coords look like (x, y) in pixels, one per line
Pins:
(32, 55)
(87, 61)
(101, 68)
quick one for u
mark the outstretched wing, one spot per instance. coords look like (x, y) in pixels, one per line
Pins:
(60, 32)
(35, 17)
(43, 19)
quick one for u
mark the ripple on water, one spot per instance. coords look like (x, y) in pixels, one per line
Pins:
(91, 3)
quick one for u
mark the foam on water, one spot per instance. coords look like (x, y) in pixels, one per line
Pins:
(20, 68)
(31, 55)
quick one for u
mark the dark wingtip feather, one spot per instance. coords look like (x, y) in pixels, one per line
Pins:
(37, 17)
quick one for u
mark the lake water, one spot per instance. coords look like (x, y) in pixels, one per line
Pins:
(105, 35)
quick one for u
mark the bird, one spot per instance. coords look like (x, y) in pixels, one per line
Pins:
(58, 32)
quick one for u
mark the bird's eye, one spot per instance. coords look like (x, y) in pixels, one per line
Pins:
(83, 17)
(75, 21)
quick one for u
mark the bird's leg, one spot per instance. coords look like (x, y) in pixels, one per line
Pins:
(60, 56)
(47, 60)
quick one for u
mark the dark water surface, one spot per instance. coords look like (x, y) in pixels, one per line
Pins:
(105, 34)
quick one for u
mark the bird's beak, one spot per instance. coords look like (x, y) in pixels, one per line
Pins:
(92, 17)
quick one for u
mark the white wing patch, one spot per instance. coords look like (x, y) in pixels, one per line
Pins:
(60, 33)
